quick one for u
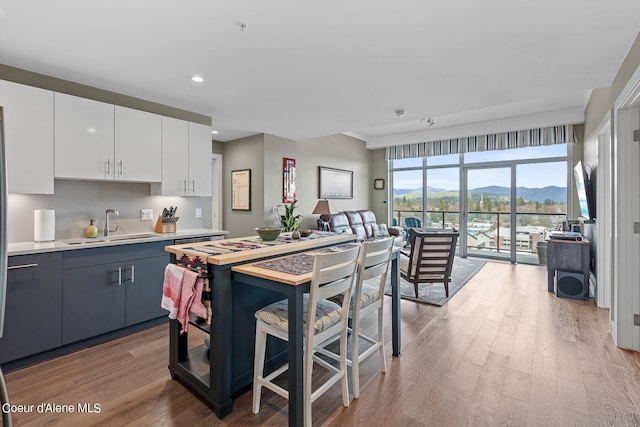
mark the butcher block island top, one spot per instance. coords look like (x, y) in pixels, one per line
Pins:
(242, 249)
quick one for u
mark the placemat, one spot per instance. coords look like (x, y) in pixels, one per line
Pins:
(294, 264)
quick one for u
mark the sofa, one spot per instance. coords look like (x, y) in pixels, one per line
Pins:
(363, 224)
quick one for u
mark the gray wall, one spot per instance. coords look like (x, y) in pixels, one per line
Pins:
(245, 153)
(76, 202)
(264, 154)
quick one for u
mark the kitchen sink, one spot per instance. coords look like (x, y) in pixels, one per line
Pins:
(108, 239)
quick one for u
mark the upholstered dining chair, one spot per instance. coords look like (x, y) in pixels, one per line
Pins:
(412, 222)
(368, 297)
(430, 259)
(333, 273)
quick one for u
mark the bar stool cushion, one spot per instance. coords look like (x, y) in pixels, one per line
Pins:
(276, 314)
(370, 294)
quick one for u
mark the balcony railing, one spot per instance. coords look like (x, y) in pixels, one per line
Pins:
(489, 232)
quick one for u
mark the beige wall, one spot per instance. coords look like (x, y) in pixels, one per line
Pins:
(336, 151)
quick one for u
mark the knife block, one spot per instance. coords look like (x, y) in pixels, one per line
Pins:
(165, 227)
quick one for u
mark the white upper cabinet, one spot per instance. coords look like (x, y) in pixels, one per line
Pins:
(28, 132)
(138, 145)
(186, 159)
(200, 160)
(84, 138)
(175, 158)
(99, 141)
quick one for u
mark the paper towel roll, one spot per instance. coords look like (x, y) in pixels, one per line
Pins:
(44, 225)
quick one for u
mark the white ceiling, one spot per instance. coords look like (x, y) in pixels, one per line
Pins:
(304, 69)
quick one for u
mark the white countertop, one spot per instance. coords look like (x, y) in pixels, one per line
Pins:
(26, 248)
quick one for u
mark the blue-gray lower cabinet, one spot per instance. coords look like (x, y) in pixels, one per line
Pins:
(144, 289)
(105, 289)
(33, 322)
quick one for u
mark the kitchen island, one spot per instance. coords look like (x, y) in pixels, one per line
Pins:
(227, 368)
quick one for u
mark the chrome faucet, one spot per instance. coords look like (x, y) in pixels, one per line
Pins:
(108, 229)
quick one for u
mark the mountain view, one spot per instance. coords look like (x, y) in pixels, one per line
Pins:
(550, 193)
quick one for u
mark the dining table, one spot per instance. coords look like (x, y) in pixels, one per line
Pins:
(239, 286)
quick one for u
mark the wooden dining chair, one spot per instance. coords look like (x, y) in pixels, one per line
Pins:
(368, 297)
(430, 259)
(333, 273)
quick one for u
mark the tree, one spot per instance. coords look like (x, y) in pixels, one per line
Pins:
(487, 203)
(520, 201)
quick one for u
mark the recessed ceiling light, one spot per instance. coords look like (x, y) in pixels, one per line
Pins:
(197, 79)
(215, 132)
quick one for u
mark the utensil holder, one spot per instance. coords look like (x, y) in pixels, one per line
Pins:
(166, 227)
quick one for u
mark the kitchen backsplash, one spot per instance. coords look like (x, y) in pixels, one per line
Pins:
(77, 202)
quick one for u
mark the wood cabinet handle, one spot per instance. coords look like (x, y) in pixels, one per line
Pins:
(15, 267)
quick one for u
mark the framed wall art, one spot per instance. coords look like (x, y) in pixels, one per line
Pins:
(289, 180)
(335, 183)
(241, 190)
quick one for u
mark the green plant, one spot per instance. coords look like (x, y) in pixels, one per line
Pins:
(289, 221)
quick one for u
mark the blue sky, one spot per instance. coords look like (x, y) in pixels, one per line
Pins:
(528, 175)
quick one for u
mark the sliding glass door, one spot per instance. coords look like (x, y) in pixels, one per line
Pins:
(503, 202)
(487, 214)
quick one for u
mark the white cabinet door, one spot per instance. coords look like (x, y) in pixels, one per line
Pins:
(199, 160)
(138, 145)
(83, 138)
(28, 132)
(175, 157)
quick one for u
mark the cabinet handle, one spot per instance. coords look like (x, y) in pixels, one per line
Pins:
(108, 167)
(185, 186)
(15, 267)
(133, 274)
(121, 167)
(119, 276)
(193, 183)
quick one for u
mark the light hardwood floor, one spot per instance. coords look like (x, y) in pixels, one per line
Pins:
(502, 351)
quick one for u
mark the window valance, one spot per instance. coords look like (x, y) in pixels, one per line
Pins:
(497, 141)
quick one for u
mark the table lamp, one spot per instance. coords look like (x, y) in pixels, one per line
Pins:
(324, 210)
